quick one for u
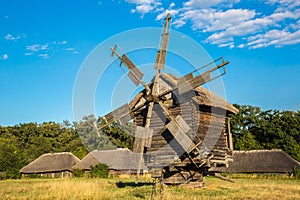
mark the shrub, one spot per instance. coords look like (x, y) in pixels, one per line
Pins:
(78, 172)
(296, 173)
(34, 176)
(99, 171)
(13, 174)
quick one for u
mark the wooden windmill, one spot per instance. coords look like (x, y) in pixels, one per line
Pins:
(173, 116)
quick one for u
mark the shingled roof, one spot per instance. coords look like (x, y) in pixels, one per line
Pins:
(119, 159)
(51, 162)
(261, 161)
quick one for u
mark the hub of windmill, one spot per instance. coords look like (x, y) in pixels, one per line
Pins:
(152, 98)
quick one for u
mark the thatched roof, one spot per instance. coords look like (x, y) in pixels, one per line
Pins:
(208, 98)
(261, 161)
(51, 162)
(203, 96)
(119, 159)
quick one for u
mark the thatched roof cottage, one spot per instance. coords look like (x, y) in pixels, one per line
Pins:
(52, 165)
(119, 161)
(261, 161)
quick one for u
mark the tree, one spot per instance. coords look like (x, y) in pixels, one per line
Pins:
(253, 128)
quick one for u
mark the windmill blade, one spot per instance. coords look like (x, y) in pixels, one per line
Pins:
(179, 129)
(134, 73)
(162, 52)
(189, 81)
(122, 115)
(141, 143)
(142, 133)
(161, 56)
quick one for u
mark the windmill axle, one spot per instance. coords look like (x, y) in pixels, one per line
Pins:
(152, 98)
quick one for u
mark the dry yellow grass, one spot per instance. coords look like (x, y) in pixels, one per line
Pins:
(107, 189)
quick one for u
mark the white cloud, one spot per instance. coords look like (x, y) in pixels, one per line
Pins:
(28, 53)
(179, 23)
(4, 57)
(290, 4)
(276, 38)
(72, 50)
(241, 46)
(140, 1)
(225, 26)
(296, 25)
(209, 3)
(230, 45)
(12, 38)
(144, 6)
(44, 55)
(37, 47)
(47, 49)
(210, 20)
(172, 5)
(62, 42)
(164, 14)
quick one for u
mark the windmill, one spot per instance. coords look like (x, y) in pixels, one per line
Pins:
(172, 117)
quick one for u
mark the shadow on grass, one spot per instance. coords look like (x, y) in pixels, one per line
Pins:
(121, 184)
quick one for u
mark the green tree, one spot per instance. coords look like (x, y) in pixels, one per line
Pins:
(99, 171)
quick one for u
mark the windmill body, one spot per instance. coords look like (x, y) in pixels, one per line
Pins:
(179, 125)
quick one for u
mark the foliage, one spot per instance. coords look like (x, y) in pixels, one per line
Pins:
(254, 128)
(99, 171)
(296, 173)
(22, 143)
(78, 172)
(110, 137)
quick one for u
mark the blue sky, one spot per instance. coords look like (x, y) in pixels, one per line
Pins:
(44, 43)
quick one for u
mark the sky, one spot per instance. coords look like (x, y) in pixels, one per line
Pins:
(45, 44)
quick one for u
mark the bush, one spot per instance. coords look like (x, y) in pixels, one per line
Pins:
(78, 172)
(13, 174)
(34, 176)
(296, 173)
(99, 171)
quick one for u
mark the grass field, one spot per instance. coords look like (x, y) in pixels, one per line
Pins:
(81, 188)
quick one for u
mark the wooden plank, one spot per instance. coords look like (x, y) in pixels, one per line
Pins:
(118, 113)
(144, 134)
(135, 75)
(126, 118)
(189, 82)
(142, 137)
(185, 79)
(127, 62)
(160, 60)
(179, 129)
(200, 79)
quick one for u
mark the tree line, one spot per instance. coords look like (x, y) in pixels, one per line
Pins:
(252, 128)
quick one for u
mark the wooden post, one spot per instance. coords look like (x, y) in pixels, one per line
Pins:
(229, 135)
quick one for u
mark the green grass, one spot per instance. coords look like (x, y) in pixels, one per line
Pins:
(107, 189)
